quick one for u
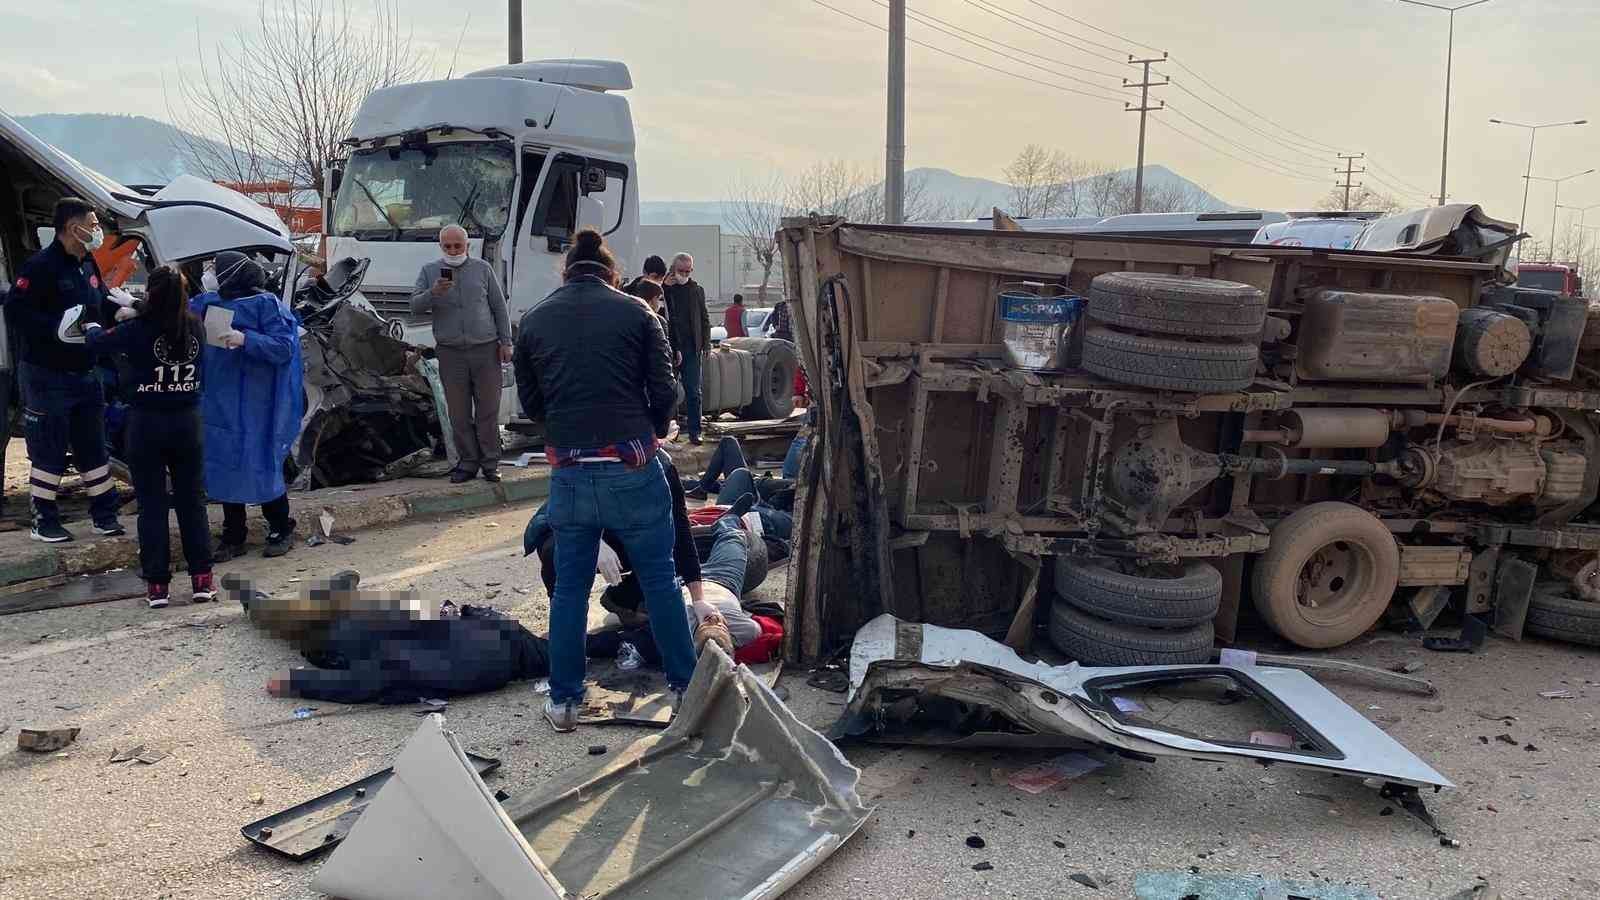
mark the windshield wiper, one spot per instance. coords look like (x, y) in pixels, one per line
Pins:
(383, 212)
(466, 207)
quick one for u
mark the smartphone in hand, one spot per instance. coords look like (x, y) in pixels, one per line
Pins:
(447, 273)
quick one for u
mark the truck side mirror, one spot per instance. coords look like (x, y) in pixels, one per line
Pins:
(593, 181)
(334, 178)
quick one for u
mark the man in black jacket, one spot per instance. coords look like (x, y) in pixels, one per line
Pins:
(63, 401)
(689, 324)
(580, 357)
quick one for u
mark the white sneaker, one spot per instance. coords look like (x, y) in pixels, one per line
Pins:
(563, 717)
(752, 523)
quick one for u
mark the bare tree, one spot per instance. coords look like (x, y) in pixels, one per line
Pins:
(755, 210)
(280, 96)
(1041, 181)
(1364, 199)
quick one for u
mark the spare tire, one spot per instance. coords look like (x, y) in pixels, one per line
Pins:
(774, 364)
(1181, 597)
(1096, 642)
(1555, 614)
(1170, 304)
(1169, 364)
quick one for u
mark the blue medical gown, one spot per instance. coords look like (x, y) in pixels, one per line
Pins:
(252, 399)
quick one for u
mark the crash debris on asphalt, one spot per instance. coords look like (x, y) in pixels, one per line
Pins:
(737, 798)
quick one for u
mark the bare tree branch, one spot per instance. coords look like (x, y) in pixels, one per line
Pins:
(755, 209)
(273, 103)
(1363, 199)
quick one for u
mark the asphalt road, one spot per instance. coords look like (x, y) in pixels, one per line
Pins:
(190, 681)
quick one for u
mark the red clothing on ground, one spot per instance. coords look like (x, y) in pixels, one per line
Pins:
(733, 321)
(764, 648)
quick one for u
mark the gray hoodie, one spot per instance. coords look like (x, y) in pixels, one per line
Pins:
(472, 312)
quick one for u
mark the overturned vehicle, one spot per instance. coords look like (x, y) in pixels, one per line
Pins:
(1124, 440)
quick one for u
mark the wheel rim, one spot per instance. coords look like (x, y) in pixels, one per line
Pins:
(777, 383)
(1333, 582)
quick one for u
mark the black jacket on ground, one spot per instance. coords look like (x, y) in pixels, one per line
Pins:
(689, 321)
(592, 364)
(397, 659)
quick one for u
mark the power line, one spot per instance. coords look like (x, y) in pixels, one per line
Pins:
(1287, 164)
(1125, 40)
(1254, 165)
(1066, 38)
(1297, 148)
(919, 16)
(968, 59)
(1407, 186)
(1200, 78)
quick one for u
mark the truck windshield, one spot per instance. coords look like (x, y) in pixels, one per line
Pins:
(399, 194)
(1546, 280)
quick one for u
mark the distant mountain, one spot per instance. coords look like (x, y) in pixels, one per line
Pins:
(939, 187)
(129, 149)
(139, 150)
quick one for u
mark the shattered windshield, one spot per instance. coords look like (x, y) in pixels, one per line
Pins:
(398, 194)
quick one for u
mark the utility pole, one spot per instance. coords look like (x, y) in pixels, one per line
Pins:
(894, 168)
(1349, 172)
(514, 31)
(1143, 109)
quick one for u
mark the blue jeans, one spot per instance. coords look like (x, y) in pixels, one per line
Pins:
(635, 506)
(797, 449)
(62, 410)
(774, 522)
(689, 373)
(729, 557)
(728, 457)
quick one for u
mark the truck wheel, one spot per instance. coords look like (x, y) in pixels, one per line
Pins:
(1555, 615)
(775, 364)
(1096, 642)
(1156, 597)
(1327, 576)
(1169, 364)
(1169, 304)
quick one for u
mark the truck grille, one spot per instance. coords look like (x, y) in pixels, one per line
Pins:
(394, 305)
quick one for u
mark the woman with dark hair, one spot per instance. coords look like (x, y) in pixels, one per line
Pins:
(580, 357)
(252, 403)
(163, 437)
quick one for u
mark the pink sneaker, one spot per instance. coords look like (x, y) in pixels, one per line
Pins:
(202, 588)
(156, 594)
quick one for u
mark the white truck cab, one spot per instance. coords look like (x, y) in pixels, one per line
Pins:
(521, 156)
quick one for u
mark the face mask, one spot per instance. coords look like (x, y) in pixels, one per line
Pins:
(453, 261)
(679, 279)
(96, 238)
(208, 281)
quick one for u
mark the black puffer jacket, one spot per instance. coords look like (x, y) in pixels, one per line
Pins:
(592, 365)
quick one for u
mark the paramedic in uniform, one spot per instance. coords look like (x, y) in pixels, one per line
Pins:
(63, 402)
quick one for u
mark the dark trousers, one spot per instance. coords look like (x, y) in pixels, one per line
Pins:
(62, 410)
(689, 375)
(161, 445)
(472, 381)
(276, 513)
(728, 457)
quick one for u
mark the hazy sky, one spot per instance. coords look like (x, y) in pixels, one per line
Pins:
(743, 87)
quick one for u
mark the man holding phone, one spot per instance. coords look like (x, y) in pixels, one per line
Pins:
(472, 334)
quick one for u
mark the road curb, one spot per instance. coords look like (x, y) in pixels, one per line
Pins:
(351, 512)
(353, 508)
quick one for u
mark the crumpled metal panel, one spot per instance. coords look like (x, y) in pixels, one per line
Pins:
(737, 798)
(895, 662)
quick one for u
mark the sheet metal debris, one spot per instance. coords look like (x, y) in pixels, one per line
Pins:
(306, 829)
(737, 798)
(922, 684)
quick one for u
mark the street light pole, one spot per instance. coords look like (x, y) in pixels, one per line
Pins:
(1555, 210)
(1449, 71)
(1527, 178)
